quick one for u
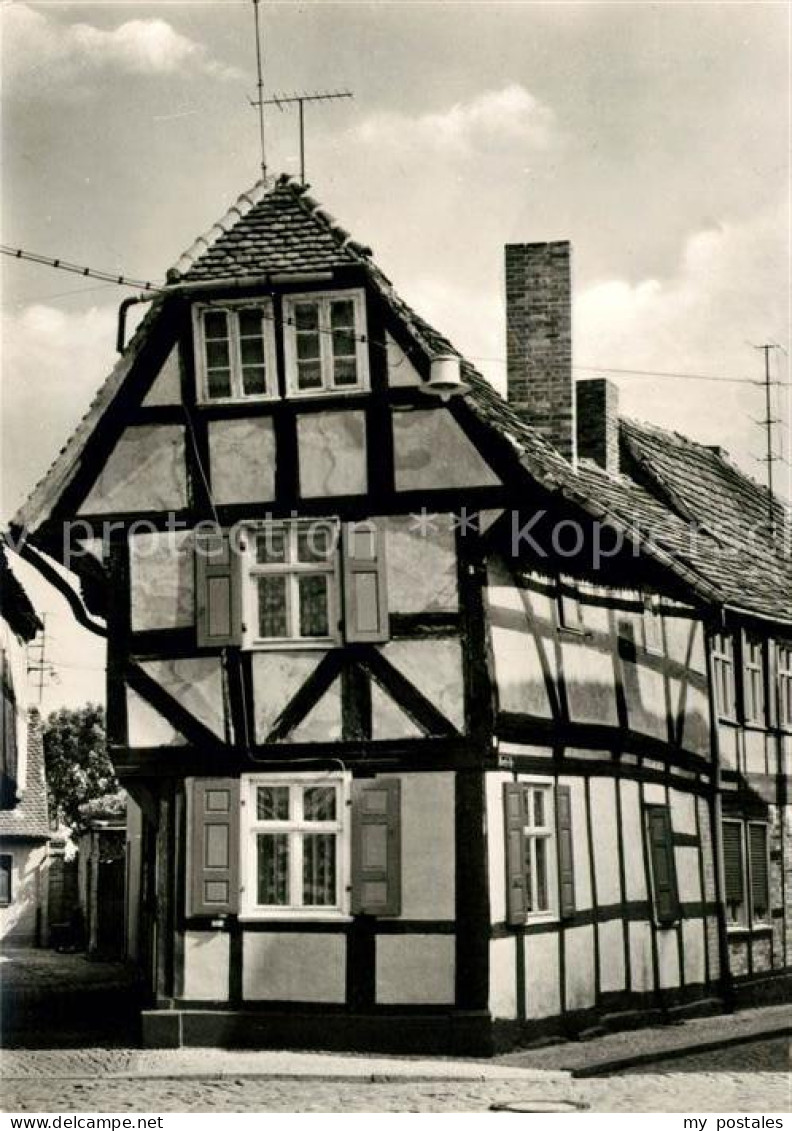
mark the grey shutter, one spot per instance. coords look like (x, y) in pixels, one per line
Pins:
(213, 846)
(365, 587)
(566, 870)
(663, 866)
(757, 859)
(376, 847)
(514, 825)
(733, 862)
(218, 606)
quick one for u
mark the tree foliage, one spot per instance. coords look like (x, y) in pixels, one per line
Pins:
(78, 766)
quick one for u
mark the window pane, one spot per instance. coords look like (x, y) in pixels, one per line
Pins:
(308, 347)
(219, 382)
(309, 375)
(217, 355)
(539, 808)
(319, 870)
(314, 612)
(271, 546)
(345, 371)
(272, 803)
(319, 803)
(529, 892)
(215, 324)
(251, 324)
(344, 343)
(342, 313)
(315, 542)
(273, 617)
(254, 380)
(540, 847)
(251, 351)
(306, 316)
(272, 854)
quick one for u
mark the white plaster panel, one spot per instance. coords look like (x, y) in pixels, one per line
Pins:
(277, 676)
(687, 870)
(611, 956)
(728, 739)
(428, 846)
(641, 970)
(754, 751)
(415, 969)
(196, 684)
(496, 844)
(147, 727)
(206, 965)
(431, 451)
(683, 812)
(667, 957)
(542, 986)
(332, 453)
(144, 472)
(166, 387)
(579, 965)
(162, 580)
(401, 370)
(644, 690)
(696, 729)
(654, 793)
(242, 459)
(694, 944)
(518, 671)
(435, 668)
(293, 967)
(632, 834)
(388, 720)
(605, 837)
(580, 850)
(421, 568)
(503, 980)
(18, 919)
(588, 676)
(323, 721)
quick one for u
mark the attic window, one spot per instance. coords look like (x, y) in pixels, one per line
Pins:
(325, 343)
(235, 351)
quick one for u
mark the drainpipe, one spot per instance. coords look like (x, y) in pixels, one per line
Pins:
(716, 825)
(122, 312)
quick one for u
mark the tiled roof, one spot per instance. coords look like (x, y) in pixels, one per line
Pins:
(30, 817)
(702, 486)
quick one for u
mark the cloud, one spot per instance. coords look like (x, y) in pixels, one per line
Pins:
(52, 363)
(492, 122)
(40, 54)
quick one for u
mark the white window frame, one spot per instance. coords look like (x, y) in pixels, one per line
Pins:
(549, 834)
(753, 680)
(570, 606)
(784, 684)
(251, 569)
(232, 309)
(324, 298)
(295, 828)
(652, 627)
(723, 664)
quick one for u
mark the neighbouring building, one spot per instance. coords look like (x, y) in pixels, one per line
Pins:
(448, 719)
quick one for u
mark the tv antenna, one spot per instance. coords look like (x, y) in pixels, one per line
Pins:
(300, 100)
(768, 424)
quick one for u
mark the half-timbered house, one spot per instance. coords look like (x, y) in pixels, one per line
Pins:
(413, 696)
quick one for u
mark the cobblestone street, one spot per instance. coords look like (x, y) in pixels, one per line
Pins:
(703, 1082)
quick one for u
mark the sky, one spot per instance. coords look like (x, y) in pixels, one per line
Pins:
(654, 136)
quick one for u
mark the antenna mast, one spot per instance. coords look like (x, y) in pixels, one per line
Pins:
(260, 88)
(300, 99)
(768, 424)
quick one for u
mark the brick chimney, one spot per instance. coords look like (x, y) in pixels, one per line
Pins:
(598, 423)
(539, 340)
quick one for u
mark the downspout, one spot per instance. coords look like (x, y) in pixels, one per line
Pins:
(716, 826)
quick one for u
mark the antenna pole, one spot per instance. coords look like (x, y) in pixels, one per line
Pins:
(301, 102)
(768, 423)
(260, 89)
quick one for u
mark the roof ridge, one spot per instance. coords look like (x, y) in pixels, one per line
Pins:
(233, 214)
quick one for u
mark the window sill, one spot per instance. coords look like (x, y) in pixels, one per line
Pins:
(280, 917)
(739, 931)
(291, 645)
(574, 633)
(323, 394)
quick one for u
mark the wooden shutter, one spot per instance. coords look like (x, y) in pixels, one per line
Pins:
(733, 861)
(6, 864)
(566, 870)
(514, 824)
(213, 846)
(365, 588)
(217, 591)
(757, 859)
(376, 847)
(664, 882)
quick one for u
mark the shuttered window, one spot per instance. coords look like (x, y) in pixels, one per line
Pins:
(376, 848)
(758, 869)
(365, 591)
(539, 851)
(6, 869)
(661, 853)
(217, 590)
(723, 675)
(213, 837)
(734, 874)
